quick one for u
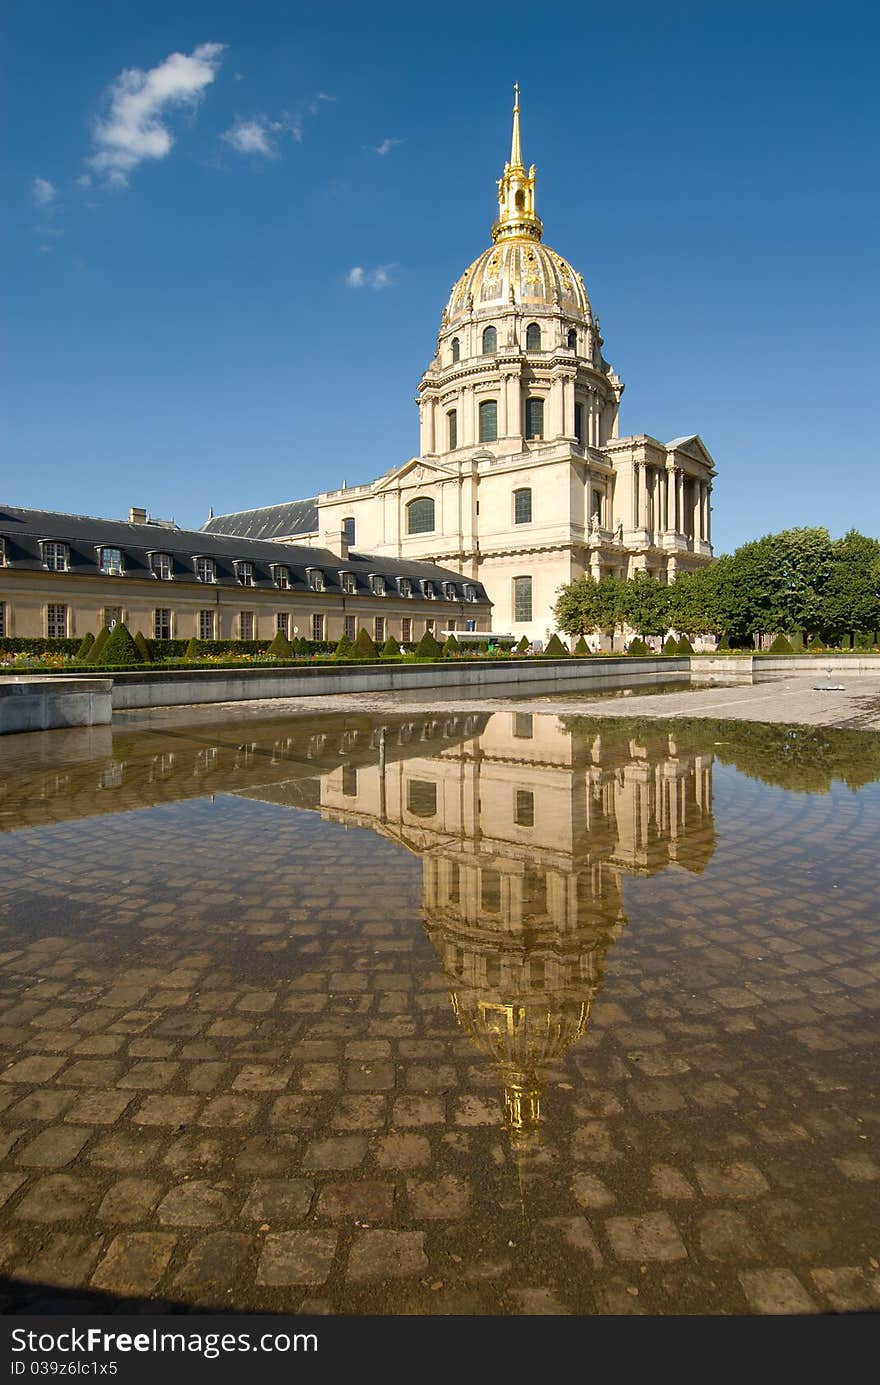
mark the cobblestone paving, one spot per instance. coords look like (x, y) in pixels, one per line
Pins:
(231, 1076)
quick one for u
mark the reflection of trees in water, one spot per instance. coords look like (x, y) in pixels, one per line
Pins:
(803, 759)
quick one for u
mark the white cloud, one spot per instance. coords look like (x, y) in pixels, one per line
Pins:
(378, 278)
(254, 136)
(387, 145)
(134, 128)
(43, 192)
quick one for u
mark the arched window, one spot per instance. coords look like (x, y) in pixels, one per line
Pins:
(572, 339)
(489, 420)
(456, 349)
(522, 506)
(533, 337)
(420, 516)
(490, 341)
(534, 418)
(452, 423)
(348, 529)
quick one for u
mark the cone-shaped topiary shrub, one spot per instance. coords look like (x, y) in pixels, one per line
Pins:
(85, 645)
(451, 645)
(638, 646)
(119, 648)
(280, 648)
(193, 649)
(582, 648)
(94, 654)
(555, 649)
(815, 645)
(724, 642)
(345, 648)
(523, 644)
(685, 646)
(144, 648)
(390, 649)
(428, 647)
(365, 646)
(781, 645)
(670, 646)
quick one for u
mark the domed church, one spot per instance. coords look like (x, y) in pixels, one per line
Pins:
(522, 481)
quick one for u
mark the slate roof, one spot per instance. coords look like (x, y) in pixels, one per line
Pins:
(22, 530)
(268, 521)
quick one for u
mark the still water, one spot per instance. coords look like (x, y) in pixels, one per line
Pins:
(495, 1013)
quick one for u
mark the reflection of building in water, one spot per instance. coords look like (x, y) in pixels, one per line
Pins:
(525, 832)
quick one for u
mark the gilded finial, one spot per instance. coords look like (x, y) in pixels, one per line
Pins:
(515, 149)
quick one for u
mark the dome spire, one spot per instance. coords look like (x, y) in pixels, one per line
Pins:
(516, 191)
(515, 148)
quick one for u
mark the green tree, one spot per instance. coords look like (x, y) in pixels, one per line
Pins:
(645, 604)
(851, 596)
(586, 605)
(694, 601)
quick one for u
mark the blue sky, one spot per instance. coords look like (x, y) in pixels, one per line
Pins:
(182, 324)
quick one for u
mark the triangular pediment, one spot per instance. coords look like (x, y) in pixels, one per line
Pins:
(416, 470)
(693, 447)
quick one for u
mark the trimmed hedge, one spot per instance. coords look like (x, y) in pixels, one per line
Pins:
(83, 652)
(120, 649)
(582, 648)
(390, 648)
(280, 648)
(781, 645)
(555, 649)
(101, 639)
(365, 646)
(638, 646)
(670, 646)
(428, 647)
(26, 644)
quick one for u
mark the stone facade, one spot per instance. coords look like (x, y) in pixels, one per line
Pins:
(522, 479)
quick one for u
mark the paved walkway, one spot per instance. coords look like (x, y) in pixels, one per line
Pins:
(796, 701)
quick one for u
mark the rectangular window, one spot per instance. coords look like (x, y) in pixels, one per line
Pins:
(452, 418)
(349, 781)
(430, 626)
(490, 891)
(112, 616)
(316, 579)
(161, 566)
(579, 423)
(55, 556)
(534, 418)
(379, 629)
(111, 561)
(470, 625)
(349, 529)
(489, 420)
(378, 586)
(351, 628)
(450, 624)
(282, 577)
(204, 569)
(282, 623)
(522, 598)
(2, 620)
(405, 586)
(524, 808)
(348, 583)
(245, 625)
(523, 726)
(206, 625)
(2, 552)
(245, 574)
(317, 627)
(522, 506)
(406, 629)
(162, 623)
(470, 593)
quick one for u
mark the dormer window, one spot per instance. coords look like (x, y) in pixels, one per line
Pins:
(245, 573)
(282, 576)
(56, 556)
(405, 586)
(430, 591)
(378, 584)
(316, 579)
(449, 591)
(2, 552)
(161, 566)
(205, 570)
(470, 592)
(111, 561)
(349, 583)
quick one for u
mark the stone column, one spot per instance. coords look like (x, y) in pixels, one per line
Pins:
(708, 512)
(514, 407)
(556, 408)
(429, 439)
(635, 495)
(465, 417)
(671, 514)
(502, 408)
(679, 486)
(643, 496)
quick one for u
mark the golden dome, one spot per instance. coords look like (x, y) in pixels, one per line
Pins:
(519, 271)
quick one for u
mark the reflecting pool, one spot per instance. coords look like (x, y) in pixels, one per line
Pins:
(488, 1012)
